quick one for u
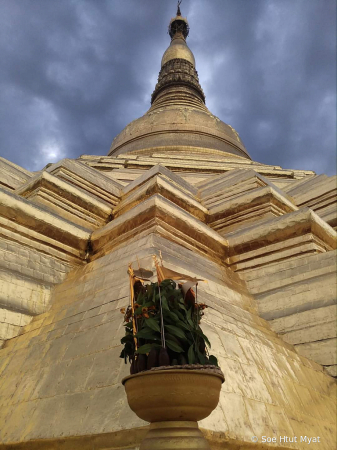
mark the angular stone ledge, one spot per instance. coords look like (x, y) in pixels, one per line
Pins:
(323, 352)
(298, 185)
(204, 167)
(297, 297)
(276, 257)
(21, 211)
(163, 186)
(250, 199)
(158, 169)
(170, 215)
(31, 239)
(87, 179)
(11, 175)
(318, 193)
(185, 161)
(331, 370)
(280, 229)
(228, 179)
(308, 326)
(235, 182)
(313, 189)
(66, 200)
(253, 206)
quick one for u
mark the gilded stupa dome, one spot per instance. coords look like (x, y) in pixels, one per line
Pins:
(178, 119)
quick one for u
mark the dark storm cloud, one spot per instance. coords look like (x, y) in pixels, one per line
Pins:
(74, 73)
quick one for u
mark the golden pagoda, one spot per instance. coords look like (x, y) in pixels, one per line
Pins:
(177, 182)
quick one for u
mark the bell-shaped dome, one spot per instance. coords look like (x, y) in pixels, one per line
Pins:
(178, 119)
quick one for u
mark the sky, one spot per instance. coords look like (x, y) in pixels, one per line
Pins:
(74, 73)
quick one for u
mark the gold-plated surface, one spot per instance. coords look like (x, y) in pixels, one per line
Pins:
(127, 439)
(178, 82)
(66, 200)
(159, 180)
(183, 435)
(318, 193)
(158, 212)
(166, 395)
(159, 169)
(12, 176)
(178, 49)
(178, 116)
(270, 271)
(25, 213)
(61, 377)
(301, 222)
(195, 164)
(80, 175)
(177, 127)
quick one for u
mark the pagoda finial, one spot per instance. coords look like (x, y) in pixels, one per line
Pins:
(178, 8)
(178, 26)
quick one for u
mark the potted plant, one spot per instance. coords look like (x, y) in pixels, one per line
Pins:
(174, 381)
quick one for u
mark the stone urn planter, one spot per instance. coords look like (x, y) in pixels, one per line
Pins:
(173, 399)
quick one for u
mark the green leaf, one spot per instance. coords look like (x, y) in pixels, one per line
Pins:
(146, 333)
(201, 334)
(168, 320)
(173, 346)
(151, 323)
(201, 357)
(146, 348)
(168, 284)
(182, 307)
(140, 298)
(213, 360)
(173, 338)
(173, 316)
(180, 315)
(189, 318)
(190, 339)
(176, 331)
(164, 303)
(184, 325)
(191, 355)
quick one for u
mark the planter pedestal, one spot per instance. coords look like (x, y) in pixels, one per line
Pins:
(173, 435)
(173, 401)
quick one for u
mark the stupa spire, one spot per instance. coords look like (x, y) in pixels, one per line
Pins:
(178, 119)
(178, 80)
(178, 27)
(178, 8)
